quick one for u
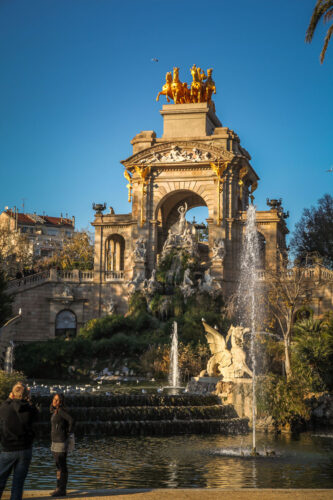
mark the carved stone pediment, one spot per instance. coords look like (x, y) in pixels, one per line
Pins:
(179, 152)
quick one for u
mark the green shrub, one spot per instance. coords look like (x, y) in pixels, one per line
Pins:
(107, 326)
(53, 358)
(312, 353)
(283, 399)
(137, 304)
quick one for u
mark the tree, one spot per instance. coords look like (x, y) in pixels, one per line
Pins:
(314, 232)
(287, 289)
(77, 252)
(15, 252)
(5, 300)
(323, 10)
(312, 352)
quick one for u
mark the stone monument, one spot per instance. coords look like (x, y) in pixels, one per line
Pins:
(227, 373)
(196, 162)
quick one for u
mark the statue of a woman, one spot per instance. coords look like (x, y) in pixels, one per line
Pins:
(182, 221)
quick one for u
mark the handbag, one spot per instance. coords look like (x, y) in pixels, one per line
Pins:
(71, 443)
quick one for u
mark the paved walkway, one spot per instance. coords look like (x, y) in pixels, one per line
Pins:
(187, 494)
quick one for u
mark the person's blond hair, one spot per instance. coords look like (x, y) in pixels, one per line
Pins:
(19, 391)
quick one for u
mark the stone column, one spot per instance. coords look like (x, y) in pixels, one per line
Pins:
(153, 250)
(118, 255)
(53, 275)
(98, 257)
(215, 232)
(112, 251)
(76, 275)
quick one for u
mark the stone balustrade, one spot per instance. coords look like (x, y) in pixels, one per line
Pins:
(33, 279)
(114, 275)
(73, 276)
(50, 275)
(317, 273)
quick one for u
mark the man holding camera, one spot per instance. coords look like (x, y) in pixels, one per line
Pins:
(17, 416)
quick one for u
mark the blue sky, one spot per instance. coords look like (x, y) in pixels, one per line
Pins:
(78, 83)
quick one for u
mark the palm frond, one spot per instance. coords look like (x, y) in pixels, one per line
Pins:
(326, 42)
(328, 15)
(320, 8)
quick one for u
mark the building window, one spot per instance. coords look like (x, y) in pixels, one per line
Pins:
(65, 324)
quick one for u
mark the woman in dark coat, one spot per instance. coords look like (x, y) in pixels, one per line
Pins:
(61, 431)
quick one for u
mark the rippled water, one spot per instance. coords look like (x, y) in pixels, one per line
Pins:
(191, 461)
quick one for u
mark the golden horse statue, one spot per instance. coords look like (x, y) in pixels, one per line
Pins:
(177, 88)
(209, 86)
(166, 89)
(197, 86)
(201, 90)
(187, 94)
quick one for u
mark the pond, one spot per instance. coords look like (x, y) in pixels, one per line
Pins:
(212, 461)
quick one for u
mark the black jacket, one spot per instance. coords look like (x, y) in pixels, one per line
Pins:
(61, 425)
(17, 417)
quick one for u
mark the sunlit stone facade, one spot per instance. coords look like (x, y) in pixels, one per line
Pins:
(197, 161)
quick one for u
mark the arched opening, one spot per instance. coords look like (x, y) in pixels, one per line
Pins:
(65, 324)
(198, 216)
(114, 253)
(168, 215)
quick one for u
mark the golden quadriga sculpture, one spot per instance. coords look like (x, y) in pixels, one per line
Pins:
(201, 90)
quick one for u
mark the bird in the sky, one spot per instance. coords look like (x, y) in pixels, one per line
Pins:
(154, 59)
(330, 170)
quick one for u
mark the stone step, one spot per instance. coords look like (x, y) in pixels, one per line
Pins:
(155, 427)
(117, 400)
(151, 413)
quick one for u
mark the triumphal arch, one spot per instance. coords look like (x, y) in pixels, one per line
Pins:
(196, 162)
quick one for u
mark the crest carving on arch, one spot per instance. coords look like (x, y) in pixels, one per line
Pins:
(176, 152)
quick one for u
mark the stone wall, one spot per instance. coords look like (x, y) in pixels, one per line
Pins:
(42, 300)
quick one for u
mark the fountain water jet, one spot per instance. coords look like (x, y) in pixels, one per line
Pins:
(174, 377)
(9, 358)
(174, 368)
(248, 295)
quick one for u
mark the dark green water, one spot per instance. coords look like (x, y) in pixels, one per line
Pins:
(190, 461)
